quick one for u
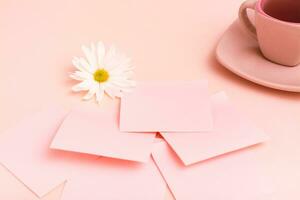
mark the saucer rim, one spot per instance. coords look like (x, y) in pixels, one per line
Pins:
(283, 87)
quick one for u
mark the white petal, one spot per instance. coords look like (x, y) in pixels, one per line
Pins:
(129, 74)
(79, 65)
(119, 73)
(91, 92)
(84, 85)
(110, 60)
(125, 63)
(126, 90)
(123, 86)
(115, 62)
(121, 69)
(81, 76)
(109, 92)
(112, 93)
(90, 55)
(94, 54)
(99, 94)
(123, 82)
(118, 92)
(86, 65)
(100, 54)
(75, 77)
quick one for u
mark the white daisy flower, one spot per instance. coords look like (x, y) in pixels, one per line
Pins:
(102, 71)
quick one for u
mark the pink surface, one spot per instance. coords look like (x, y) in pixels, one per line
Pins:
(173, 106)
(96, 131)
(235, 176)
(168, 40)
(232, 131)
(114, 180)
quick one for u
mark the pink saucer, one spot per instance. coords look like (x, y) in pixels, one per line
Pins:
(240, 53)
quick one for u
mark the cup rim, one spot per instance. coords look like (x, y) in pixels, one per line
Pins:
(260, 9)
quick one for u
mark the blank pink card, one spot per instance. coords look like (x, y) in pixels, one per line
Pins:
(232, 131)
(112, 179)
(234, 176)
(174, 106)
(24, 150)
(96, 131)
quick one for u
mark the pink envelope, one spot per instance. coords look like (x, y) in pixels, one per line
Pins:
(24, 150)
(174, 106)
(112, 179)
(232, 131)
(96, 132)
(236, 176)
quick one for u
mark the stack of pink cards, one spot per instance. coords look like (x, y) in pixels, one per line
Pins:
(105, 153)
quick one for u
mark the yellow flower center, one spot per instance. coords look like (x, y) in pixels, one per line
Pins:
(101, 75)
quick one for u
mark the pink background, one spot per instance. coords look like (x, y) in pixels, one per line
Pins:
(166, 39)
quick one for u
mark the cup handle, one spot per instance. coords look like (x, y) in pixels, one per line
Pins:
(244, 18)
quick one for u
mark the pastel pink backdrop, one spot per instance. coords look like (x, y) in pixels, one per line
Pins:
(172, 40)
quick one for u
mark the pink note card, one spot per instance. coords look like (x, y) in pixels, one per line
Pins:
(232, 131)
(173, 106)
(235, 176)
(95, 131)
(24, 150)
(112, 179)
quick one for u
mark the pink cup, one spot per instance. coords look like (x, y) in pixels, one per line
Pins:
(277, 28)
